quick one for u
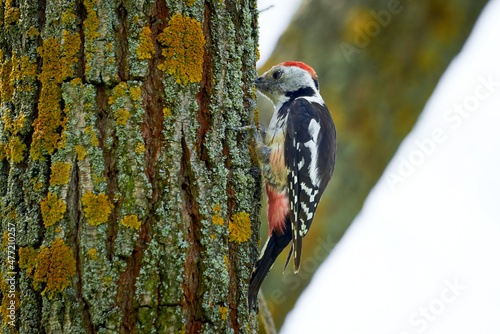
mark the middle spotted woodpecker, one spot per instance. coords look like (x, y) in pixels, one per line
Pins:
(297, 158)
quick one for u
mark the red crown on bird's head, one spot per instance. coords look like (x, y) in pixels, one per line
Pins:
(303, 66)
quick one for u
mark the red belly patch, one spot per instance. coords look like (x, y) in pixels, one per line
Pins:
(277, 209)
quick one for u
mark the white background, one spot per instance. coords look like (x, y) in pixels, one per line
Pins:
(274, 18)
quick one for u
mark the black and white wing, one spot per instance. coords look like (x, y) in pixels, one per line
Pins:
(310, 151)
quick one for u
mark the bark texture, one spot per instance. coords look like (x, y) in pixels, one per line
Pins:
(134, 208)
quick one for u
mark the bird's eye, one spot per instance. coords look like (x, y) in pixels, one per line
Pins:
(277, 75)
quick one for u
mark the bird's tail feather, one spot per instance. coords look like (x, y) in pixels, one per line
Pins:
(273, 247)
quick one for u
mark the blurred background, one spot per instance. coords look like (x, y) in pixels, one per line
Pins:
(416, 180)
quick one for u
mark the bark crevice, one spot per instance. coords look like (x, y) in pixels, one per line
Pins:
(122, 43)
(75, 217)
(191, 265)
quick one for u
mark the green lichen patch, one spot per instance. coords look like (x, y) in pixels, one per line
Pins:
(134, 188)
(27, 259)
(101, 43)
(53, 209)
(13, 150)
(6, 80)
(93, 138)
(23, 72)
(183, 48)
(37, 184)
(32, 32)
(97, 208)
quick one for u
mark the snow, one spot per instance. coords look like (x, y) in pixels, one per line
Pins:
(423, 254)
(274, 17)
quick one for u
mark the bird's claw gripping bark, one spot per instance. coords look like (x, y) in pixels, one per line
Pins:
(260, 131)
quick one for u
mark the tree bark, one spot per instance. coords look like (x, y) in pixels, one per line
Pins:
(129, 204)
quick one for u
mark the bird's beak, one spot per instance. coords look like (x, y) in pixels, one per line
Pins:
(261, 84)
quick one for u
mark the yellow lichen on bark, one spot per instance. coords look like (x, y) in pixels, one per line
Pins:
(13, 150)
(119, 91)
(239, 227)
(91, 23)
(70, 47)
(223, 312)
(55, 265)
(167, 112)
(27, 259)
(58, 59)
(53, 209)
(92, 253)
(60, 173)
(81, 152)
(6, 80)
(122, 116)
(5, 239)
(183, 48)
(140, 148)
(97, 208)
(131, 221)
(146, 48)
(93, 139)
(135, 93)
(13, 126)
(22, 69)
(216, 219)
(32, 32)
(28, 68)
(68, 17)
(11, 14)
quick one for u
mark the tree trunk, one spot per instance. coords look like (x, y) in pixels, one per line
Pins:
(128, 206)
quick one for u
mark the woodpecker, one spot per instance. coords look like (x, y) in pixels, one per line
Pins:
(297, 157)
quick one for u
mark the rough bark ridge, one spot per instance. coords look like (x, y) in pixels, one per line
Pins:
(132, 203)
